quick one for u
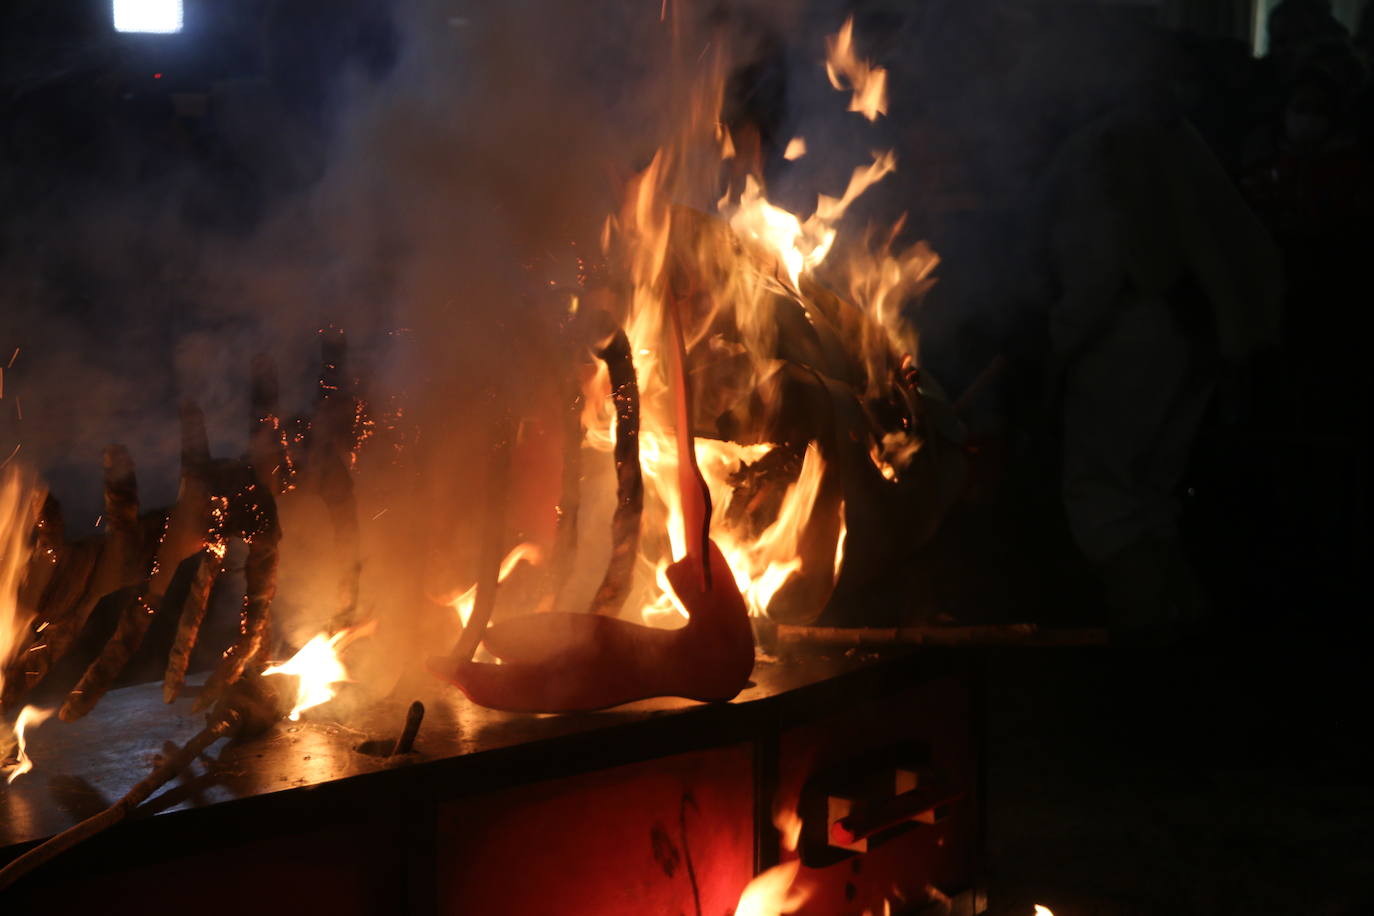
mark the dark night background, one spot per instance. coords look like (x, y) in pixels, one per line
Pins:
(1217, 770)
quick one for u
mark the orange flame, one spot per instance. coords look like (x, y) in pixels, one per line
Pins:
(727, 282)
(868, 83)
(29, 716)
(772, 893)
(789, 826)
(19, 499)
(526, 552)
(319, 668)
(839, 544)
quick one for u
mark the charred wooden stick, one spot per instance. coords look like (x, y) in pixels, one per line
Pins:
(183, 533)
(406, 741)
(246, 712)
(60, 599)
(188, 627)
(252, 515)
(493, 536)
(1011, 634)
(102, 566)
(260, 579)
(134, 619)
(629, 503)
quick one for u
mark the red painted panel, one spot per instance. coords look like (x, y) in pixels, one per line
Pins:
(620, 842)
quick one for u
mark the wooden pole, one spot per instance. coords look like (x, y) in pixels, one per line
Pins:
(1010, 634)
(493, 535)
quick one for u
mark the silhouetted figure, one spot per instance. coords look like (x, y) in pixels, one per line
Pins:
(1163, 274)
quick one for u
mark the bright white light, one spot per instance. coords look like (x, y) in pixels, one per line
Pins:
(162, 16)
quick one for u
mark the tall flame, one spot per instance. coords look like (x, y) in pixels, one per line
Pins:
(868, 83)
(19, 498)
(319, 668)
(463, 602)
(29, 716)
(727, 279)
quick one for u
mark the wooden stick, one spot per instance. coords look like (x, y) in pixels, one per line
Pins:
(493, 537)
(188, 626)
(223, 725)
(629, 502)
(100, 566)
(1011, 634)
(135, 616)
(260, 581)
(406, 742)
(250, 708)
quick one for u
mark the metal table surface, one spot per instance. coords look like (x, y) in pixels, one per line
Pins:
(312, 764)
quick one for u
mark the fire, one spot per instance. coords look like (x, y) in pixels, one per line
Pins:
(772, 893)
(1042, 910)
(319, 667)
(789, 826)
(526, 552)
(796, 148)
(868, 83)
(735, 279)
(29, 716)
(801, 245)
(762, 564)
(19, 499)
(839, 544)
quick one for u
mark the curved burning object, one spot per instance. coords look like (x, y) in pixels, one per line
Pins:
(629, 504)
(565, 662)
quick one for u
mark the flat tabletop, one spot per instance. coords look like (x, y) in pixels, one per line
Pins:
(82, 767)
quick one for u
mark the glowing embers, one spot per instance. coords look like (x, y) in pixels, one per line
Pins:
(162, 17)
(319, 668)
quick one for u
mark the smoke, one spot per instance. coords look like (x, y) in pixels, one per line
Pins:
(139, 268)
(427, 206)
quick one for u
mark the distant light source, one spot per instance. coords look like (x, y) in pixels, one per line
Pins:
(161, 16)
